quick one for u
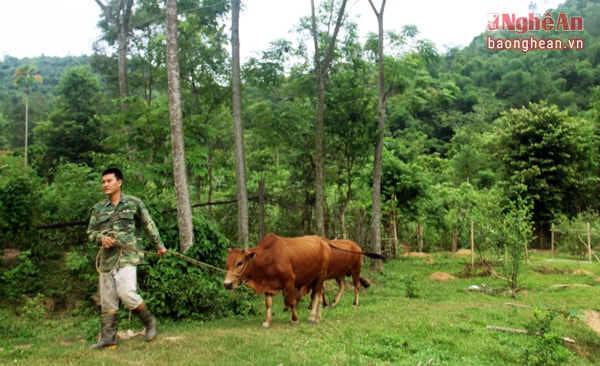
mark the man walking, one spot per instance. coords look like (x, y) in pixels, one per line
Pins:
(115, 225)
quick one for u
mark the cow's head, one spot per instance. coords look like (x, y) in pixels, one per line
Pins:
(237, 267)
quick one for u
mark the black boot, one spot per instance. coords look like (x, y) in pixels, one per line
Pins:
(109, 332)
(149, 321)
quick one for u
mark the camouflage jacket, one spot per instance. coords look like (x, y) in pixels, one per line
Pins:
(123, 222)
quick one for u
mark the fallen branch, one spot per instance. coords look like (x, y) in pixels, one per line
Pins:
(521, 305)
(567, 261)
(520, 288)
(536, 307)
(523, 331)
(570, 285)
(503, 329)
(495, 274)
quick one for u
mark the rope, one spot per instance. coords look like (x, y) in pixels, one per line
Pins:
(99, 257)
(176, 254)
(194, 261)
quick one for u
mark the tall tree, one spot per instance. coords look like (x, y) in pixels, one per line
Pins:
(321, 71)
(240, 166)
(26, 77)
(184, 209)
(117, 14)
(349, 127)
(377, 264)
(550, 159)
(72, 131)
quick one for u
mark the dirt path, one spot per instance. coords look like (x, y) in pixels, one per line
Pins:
(592, 320)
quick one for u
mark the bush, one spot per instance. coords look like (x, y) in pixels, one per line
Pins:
(23, 278)
(19, 203)
(547, 347)
(411, 290)
(570, 235)
(179, 286)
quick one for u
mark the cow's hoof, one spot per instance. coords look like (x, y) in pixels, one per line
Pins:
(265, 325)
(312, 322)
(295, 323)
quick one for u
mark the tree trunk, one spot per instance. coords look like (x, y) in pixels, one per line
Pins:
(26, 125)
(184, 210)
(261, 205)
(120, 23)
(319, 180)
(238, 133)
(321, 70)
(454, 240)
(420, 236)
(122, 64)
(362, 227)
(377, 264)
(394, 228)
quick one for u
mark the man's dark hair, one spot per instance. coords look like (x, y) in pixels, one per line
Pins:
(115, 171)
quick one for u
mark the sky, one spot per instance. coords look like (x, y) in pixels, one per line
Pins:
(31, 28)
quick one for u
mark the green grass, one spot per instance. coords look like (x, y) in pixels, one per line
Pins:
(445, 324)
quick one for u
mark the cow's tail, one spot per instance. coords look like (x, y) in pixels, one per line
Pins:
(368, 254)
(364, 282)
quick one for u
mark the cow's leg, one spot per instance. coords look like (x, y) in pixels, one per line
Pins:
(269, 306)
(356, 282)
(292, 301)
(341, 287)
(312, 298)
(285, 301)
(325, 301)
(315, 310)
(295, 320)
(317, 298)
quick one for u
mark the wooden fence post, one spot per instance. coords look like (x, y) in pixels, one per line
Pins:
(589, 242)
(472, 244)
(454, 241)
(552, 240)
(261, 205)
(420, 236)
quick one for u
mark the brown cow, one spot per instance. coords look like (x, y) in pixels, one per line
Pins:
(344, 263)
(345, 260)
(281, 264)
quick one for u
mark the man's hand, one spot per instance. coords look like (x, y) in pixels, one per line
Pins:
(108, 241)
(161, 251)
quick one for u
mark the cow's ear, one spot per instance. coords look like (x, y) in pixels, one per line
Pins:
(251, 256)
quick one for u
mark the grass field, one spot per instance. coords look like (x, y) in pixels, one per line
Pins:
(419, 311)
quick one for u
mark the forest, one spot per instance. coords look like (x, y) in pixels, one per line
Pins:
(474, 140)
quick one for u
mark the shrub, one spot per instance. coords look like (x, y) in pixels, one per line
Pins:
(570, 233)
(19, 204)
(178, 286)
(67, 201)
(547, 348)
(34, 308)
(411, 290)
(518, 233)
(24, 278)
